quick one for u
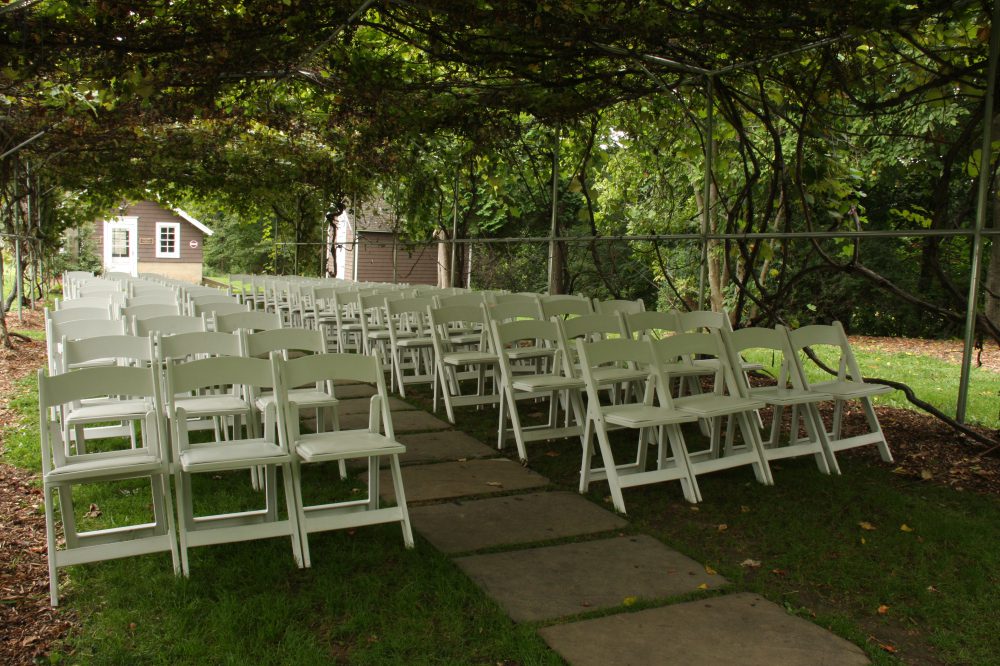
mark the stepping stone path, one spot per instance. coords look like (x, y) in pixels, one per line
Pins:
(461, 501)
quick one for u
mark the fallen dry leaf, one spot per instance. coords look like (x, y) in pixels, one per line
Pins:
(926, 475)
(629, 601)
(865, 525)
(750, 564)
(94, 512)
(552, 454)
(722, 527)
(495, 484)
(703, 586)
(905, 528)
(883, 609)
(779, 572)
(744, 508)
(710, 571)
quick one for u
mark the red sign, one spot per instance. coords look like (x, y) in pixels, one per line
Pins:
(193, 244)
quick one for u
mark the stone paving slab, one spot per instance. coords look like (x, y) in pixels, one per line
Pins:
(468, 525)
(441, 446)
(354, 391)
(556, 581)
(361, 405)
(408, 421)
(458, 479)
(743, 629)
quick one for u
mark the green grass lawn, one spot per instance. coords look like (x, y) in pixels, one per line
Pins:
(367, 600)
(932, 379)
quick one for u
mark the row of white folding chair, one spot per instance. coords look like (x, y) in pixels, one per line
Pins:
(288, 451)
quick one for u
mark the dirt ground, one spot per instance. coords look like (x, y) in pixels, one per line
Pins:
(924, 448)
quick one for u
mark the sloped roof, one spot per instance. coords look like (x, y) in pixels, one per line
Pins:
(183, 214)
(375, 215)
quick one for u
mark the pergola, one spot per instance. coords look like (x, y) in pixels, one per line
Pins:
(652, 65)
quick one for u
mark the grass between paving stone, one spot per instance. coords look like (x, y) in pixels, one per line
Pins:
(935, 579)
(366, 600)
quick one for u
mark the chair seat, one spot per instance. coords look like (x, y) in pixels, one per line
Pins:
(526, 353)
(128, 463)
(707, 405)
(468, 358)
(613, 375)
(641, 416)
(773, 395)
(198, 406)
(217, 456)
(465, 338)
(109, 409)
(848, 390)
(410, 343)
(304, 398)
(345, 444)
(94, 363)
(533, 383)
(689, 369)
(385, 335)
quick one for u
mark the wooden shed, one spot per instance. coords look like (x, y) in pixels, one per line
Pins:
(147, 237)
(368, 248)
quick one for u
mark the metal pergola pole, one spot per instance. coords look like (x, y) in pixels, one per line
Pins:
(554, 228)
(454, 231)
(977, 239)
(707, 191)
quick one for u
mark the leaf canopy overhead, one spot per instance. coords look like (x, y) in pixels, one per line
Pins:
(131, 92)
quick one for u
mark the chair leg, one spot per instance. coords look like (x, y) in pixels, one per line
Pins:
(397, 486)
(50, 542)
(875, 427)
(293, 504)
(168, 514)
(184, 518)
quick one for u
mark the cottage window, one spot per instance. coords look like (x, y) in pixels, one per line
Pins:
(119, 243)
(168, 240)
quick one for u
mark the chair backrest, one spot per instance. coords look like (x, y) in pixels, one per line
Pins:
(159, 298)
(122, 347)
(262, 343)
(150, 311)
(213, 310)
(513, 310)
(702, 320)
(217, 371)
(651, 324)
(408, 314)
(76, 314)
(199, 343)
(565, 305)
(592, 327)
(168, 325)
(252, 321)
(763, 340)
(443, 319)
(72, 387)
(519, 297)
(475, 298)
(507, 336)
(86, 328)
(613, 306)
(88, 302)
(98, 288)
(328, 368)
(683, 347)
(618, 351)
(828, 336)
(218, 297)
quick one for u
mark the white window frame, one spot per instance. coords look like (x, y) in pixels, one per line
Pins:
(160, 227)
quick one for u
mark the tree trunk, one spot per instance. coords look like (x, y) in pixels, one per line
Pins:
(444, 259)
(991, 285)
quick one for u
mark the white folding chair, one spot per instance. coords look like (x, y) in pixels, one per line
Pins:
(370, 444)
(653, 422)
(848, 385)
(211, 311)
(454, 353)
(509, 338)
(724, 401)
(62, 470)
(238, 452)
(564, 306)
(614, 306)
(410, 345)
(788, 391)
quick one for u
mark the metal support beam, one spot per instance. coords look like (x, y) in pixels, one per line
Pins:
(554, 228)
(454, 232)
(977, 239)
(706, 207)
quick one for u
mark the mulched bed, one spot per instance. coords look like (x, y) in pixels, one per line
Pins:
(924, 449)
